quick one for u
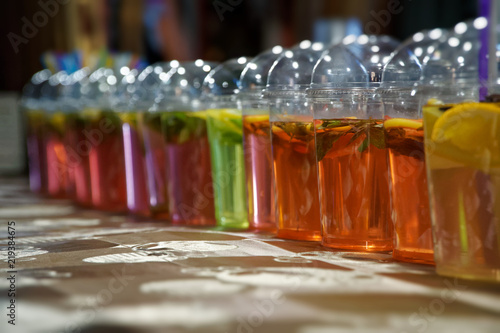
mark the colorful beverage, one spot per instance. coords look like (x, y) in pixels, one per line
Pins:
(36, 150)
(156, 163)
(295, 179)
(354, 184)
(259, 172)
(135, 165)
(189, 174)
(410, 200)
(463, 165)
(58, 179)
(106, 160)
(78, 149)
(225, 136)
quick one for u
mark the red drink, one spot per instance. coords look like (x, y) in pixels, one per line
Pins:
(296, 182)
(156, 163)
(354, 184)
(412, 221)
(135, 166)
(189, 173)
(78, 149)
(259, 173)
(106, 161)
(57, 165)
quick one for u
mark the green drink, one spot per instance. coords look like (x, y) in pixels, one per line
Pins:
(225, 135)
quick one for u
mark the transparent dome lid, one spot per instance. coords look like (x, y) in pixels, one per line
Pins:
(98, 90)
(291, 73)
(70, 98)
(402, 70)
(254, 77)
(456, 60)
(50, 92)
(424, 42)
(122, 95)
(373, 51)
(32, 90)
(338, 68)
(224, 80)
(180, 89)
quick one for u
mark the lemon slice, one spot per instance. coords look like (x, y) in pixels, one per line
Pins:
(58, 120)
(256, 118)
(469, 133)
(91, 113)
(402, 122)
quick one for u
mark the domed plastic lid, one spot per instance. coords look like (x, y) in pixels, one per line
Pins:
(254, 76)
(180, 89)
(456, 60)
(292, 71)
(122, 95)
(339, 68)
(70, 98)
(51, 91)
(402, 70)
(424, 42)
(373, 51)
(32, 90)
(224, 79)
(97, 92)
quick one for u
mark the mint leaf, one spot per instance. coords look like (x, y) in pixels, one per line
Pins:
(364, 145)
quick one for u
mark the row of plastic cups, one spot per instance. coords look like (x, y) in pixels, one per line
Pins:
(350, 206)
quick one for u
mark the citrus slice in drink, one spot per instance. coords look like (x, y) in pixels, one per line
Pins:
(402, 122)
(469, 133)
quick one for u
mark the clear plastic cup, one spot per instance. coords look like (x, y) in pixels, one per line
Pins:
(57, 170)
(146, 94)
(184, 130)
(351, 154)
(404, 135)
(103, 142)
(135, 163)
(70, 105)
(293, 144)
(257, 141)
(35, 120)
(225, 135)
(461, 147)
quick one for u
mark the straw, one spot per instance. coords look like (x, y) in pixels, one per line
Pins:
(487, 52)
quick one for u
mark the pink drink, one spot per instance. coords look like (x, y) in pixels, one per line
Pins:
(259, 173)
(188, 169)
(107, 162)
(135, 166)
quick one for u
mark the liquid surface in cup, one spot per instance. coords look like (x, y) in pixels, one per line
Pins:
(189, 171)
(259, 172)
(225, 135)
(135, 165)
(156, 163)
(463, 163)
(354, 184)
(106, 160)
(410, 200)
(296, 180)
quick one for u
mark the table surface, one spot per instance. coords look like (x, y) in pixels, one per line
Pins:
(88, 271)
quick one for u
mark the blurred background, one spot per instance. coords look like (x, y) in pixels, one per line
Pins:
(208, 29)
(35, 32)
